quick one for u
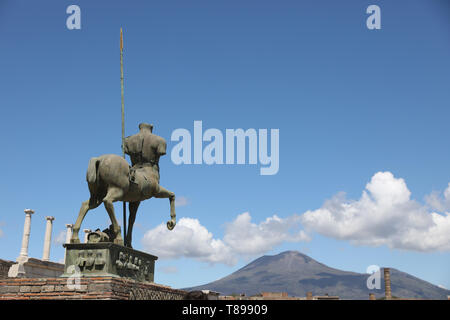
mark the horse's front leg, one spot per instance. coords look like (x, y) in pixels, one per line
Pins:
(164, 193)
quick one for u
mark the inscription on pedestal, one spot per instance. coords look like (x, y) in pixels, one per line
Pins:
(108, 259)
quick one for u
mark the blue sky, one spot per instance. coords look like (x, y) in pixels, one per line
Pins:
(348, 102)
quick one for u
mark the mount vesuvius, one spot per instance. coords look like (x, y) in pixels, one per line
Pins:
(296, 274)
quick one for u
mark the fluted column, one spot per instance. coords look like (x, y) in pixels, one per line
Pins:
(48, 238)
(26, 236)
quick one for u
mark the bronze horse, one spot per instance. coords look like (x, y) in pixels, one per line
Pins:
(108, 178)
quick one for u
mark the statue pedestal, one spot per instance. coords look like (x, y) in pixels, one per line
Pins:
(106, 259)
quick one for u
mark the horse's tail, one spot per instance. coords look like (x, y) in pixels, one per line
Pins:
(91, 175)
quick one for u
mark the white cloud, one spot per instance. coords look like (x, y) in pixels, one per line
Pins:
(242, 239)
(384, 215)
(61, 237)
(188, 239)
(438, 203)
(248, 238)
(181, 201)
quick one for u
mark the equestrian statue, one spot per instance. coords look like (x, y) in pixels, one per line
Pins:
(110, 178)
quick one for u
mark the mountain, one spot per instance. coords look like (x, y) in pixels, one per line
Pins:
(296, 274)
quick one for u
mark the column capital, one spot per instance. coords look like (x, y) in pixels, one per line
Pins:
(28, 211)
(50, 218)
(69, 225)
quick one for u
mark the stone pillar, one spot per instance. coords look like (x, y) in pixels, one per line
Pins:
(86, 233)
(387, 283)
(47, 239)
(372, 296)
(309, 295)
(23, 257)
(69, 232)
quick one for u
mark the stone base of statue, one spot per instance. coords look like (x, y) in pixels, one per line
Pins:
(106, 259)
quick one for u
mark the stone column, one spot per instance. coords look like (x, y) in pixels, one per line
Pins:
(387, 283)
(86, 233)
(48, 238)
(23, 257)
(309, 295)
(69, 232)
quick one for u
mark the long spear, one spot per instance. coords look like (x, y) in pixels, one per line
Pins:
(123, 133)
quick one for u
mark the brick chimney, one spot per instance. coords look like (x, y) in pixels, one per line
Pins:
(387, 283)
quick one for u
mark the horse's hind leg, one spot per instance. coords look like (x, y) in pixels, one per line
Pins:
(133, 207)
(85, 207)
(114, 194)
(164, 193)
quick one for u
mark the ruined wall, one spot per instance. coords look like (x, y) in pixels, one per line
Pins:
(106, 288)
(4, 268)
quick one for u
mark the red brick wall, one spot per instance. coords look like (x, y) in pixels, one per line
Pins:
(89, 288)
